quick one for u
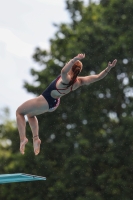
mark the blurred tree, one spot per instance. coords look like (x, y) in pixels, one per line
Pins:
(86, 150)
(4, 115)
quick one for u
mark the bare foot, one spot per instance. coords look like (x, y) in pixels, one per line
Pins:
(36, 144)
(22, 145)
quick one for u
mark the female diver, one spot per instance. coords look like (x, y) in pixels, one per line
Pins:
(49, 100)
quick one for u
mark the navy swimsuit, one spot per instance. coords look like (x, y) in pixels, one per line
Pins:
(47, 94)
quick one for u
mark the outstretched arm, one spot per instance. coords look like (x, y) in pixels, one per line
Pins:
(93, 78)
(68, 66)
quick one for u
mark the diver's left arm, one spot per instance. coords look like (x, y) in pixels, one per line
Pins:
(68, 66)
(86, 80)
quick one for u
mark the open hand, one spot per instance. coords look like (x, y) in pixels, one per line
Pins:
(112, 64)
(80, 56)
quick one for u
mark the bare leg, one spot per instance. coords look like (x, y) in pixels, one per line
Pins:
(35, 131)
(21, 128)
(31, 108)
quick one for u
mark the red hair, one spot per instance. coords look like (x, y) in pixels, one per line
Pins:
(76, 69)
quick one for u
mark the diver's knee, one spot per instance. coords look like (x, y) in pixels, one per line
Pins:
(18, 112)
(30, 116)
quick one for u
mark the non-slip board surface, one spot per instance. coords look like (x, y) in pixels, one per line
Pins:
(19, 177)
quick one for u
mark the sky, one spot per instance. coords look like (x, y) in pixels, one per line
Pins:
(24, 25)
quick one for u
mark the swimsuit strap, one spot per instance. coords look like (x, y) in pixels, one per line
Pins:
(64, 88)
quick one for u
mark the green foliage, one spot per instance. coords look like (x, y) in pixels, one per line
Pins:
(86, 150)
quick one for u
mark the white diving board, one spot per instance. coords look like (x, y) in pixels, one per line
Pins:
(19, 177)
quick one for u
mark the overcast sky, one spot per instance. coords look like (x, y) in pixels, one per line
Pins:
(24, 25)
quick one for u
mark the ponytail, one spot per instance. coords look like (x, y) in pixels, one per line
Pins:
(76, 68)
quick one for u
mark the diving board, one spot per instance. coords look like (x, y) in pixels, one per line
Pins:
(19, 177)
